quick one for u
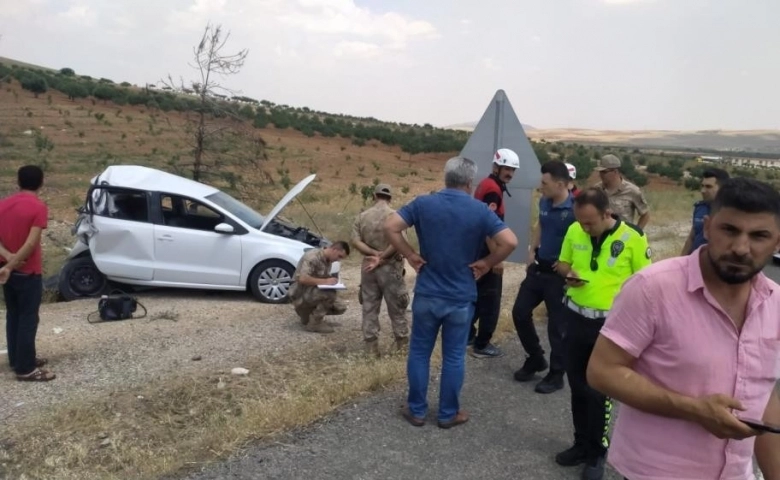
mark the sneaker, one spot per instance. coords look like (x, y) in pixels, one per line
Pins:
(572, 456)
(490, 351)
(552, 382)
(532, 365)
(594, 469)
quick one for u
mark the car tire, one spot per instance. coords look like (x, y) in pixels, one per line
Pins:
(80, 278)
(271, 280)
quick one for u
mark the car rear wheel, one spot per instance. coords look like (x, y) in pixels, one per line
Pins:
(81, 278)
(271, 280)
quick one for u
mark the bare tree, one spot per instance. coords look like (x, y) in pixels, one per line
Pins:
(212, 140)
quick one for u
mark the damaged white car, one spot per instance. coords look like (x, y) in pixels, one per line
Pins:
(145, 227)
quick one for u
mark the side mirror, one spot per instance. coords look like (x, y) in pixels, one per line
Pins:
(224, 228)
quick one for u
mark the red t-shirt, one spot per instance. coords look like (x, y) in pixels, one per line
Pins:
(489, 191)
(18, 214)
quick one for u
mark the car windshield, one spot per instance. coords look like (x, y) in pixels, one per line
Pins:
(235, 207)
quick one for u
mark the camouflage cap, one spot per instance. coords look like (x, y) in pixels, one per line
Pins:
(608, 162)
(383, 189)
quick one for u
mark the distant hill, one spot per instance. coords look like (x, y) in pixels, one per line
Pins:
(469, 126)
(766, 142)
(737, 141)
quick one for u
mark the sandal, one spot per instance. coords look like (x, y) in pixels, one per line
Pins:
(39, 362)
(37, 375)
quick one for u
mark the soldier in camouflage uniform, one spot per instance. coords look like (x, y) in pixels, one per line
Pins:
(311, 303)
(626, 200)
(382, 275)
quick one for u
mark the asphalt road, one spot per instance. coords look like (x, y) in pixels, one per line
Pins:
(513, 433)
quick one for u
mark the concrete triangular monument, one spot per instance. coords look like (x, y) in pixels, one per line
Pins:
(499, 127)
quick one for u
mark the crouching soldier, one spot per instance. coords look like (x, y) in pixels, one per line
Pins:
(312, 303)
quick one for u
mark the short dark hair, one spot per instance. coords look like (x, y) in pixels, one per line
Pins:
(556, 169)
(747, 195)
(341, 245)
(718, 174)
(593, 196)
(30, 177)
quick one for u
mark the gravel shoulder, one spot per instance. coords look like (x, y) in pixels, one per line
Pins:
(221, 328)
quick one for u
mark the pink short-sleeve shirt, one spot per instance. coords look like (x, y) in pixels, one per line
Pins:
(685, 342)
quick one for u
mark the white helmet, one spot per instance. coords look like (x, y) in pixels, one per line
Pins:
(572, 171)
(505, 157)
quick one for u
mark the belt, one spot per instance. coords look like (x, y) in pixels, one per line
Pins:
(544, 267)
(591, 313)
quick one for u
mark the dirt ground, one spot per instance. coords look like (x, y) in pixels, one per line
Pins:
(187, 331)
(184, 332)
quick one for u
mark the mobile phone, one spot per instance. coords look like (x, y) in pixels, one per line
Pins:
(575, 279)
(759, 425)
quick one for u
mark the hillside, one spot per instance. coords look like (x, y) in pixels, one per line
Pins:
(739, 142)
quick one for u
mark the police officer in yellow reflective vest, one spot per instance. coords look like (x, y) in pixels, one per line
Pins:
(599, 253)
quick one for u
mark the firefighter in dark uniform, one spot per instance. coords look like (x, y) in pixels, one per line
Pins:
(488, 308)
(599, 253)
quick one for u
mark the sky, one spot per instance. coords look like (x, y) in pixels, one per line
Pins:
(598, 64)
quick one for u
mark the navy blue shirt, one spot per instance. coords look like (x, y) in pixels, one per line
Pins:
(451, 227)
(554, 221)
(700, 210)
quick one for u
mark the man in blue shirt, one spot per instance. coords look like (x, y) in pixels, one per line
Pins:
(711, 180)
(542, 283)
(451, 227)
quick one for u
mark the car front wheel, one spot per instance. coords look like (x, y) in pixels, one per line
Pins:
(81, 278)
(271, 280)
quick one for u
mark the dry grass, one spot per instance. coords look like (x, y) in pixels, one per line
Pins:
(177, 423)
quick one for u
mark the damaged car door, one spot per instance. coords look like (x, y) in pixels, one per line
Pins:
(123, 245)
(195, 244)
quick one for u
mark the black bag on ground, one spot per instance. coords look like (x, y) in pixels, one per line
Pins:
(117, 306)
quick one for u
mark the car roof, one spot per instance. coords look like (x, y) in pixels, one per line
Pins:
(151, 179)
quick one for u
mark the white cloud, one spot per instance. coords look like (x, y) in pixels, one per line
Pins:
(79, 13)
(321, 27)
(490, 64)
(357, 49)
(623, 2)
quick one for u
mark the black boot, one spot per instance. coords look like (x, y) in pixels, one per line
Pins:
(533, 364)
(594, 469)
(572, 456)
(552, 382)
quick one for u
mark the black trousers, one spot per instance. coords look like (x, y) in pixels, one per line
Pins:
(487, 309)
(590, 409)
(23, 295)
(537, 287)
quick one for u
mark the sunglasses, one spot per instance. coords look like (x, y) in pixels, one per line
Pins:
(594, 255)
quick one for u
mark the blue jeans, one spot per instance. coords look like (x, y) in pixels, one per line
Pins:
(454, 318)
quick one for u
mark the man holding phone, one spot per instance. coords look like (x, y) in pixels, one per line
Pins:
(599, 252)
(691, 349)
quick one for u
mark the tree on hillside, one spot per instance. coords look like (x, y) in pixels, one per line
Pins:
(35, 83)
(213, 142)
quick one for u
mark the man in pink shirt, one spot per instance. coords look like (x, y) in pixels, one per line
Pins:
(692, 344)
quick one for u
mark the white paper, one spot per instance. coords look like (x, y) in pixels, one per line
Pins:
(338, 286)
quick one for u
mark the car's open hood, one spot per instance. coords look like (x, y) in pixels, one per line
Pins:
(295, 191)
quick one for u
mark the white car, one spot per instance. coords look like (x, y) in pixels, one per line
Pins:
(145, 227)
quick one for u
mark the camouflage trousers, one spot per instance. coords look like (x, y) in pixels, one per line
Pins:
(313, 304)
(386, 282)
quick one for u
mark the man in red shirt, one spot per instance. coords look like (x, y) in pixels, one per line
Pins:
(488, 308)
(572, 176)
(23, 217)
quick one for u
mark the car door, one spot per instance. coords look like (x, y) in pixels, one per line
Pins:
(187, 249)
(123, 244)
